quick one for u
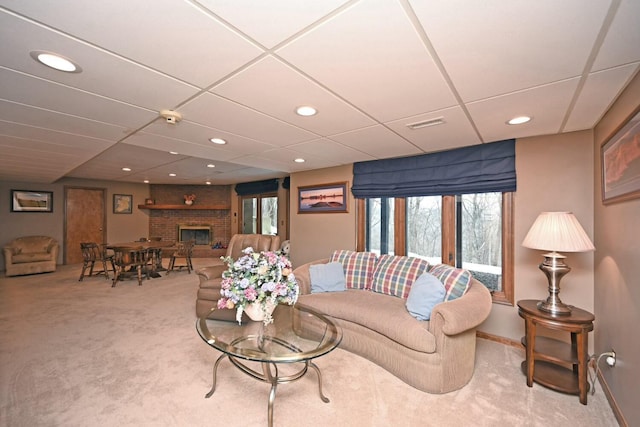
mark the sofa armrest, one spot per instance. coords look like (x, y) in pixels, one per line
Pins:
(9, 251)
(464, 313)
(211, 272)
(302, 275)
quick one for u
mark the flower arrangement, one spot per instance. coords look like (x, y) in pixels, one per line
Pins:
(265, 278)
(189, 198)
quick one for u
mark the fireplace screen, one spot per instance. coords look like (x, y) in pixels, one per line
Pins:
(202, 234)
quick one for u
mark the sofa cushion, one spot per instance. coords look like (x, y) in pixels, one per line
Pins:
(381, 313)
(455, 280)
(357, 266)
(327, 277)
(31, 257)
(426, 292)
(394, 275)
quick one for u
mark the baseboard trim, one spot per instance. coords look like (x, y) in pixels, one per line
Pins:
(498, 339)
(612, 401)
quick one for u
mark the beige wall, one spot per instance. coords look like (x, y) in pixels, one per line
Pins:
(120, 227)
(617, 272)
(315, 236)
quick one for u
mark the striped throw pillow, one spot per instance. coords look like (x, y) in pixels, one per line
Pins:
(394, 275)
(358, 267)
(455, 280)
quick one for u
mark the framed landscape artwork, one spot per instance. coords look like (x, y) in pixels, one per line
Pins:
(620, 158)
(31, 201)
(326, 198)
(122, 203)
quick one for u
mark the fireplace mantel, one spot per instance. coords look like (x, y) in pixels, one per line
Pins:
(185, 207)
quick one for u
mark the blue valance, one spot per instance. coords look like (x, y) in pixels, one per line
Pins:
(475, 169)
(257, 187)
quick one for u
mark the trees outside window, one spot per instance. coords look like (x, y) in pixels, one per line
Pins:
(471, 231)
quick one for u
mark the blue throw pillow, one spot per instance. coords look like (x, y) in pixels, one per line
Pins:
(425, 293)
(327, 277)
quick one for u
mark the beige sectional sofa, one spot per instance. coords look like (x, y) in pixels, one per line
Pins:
(435, 356)
(30, 255)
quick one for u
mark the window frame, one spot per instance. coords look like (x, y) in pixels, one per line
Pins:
(506, 295)
(259, 198)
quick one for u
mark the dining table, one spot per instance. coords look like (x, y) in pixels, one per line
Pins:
(156, 246)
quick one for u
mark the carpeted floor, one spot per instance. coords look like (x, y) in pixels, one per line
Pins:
(85, 354)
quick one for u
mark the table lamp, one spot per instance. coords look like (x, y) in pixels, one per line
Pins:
(556, 231)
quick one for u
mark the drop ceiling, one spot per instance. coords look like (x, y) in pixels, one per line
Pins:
(237, 70)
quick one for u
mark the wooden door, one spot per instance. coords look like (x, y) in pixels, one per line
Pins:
(85, 220)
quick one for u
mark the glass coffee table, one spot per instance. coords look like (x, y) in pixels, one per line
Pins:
(281, 352)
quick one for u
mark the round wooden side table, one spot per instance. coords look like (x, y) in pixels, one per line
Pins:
(553, 363)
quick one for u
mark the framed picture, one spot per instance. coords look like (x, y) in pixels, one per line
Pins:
(620, 159)
(122, 203)
(31, 201)
(326, 198)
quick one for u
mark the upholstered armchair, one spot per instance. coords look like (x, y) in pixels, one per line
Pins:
(30, 255)
(211, 277)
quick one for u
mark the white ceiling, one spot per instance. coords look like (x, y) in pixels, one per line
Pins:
(237, 69)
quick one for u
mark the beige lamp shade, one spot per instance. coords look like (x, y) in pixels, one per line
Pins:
(559, 232)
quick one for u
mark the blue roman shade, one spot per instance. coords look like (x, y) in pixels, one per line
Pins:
(257, 187)
(476, 169)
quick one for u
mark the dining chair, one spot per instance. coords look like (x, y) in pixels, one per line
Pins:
(184, 250)
(127, 259)
(92, 253)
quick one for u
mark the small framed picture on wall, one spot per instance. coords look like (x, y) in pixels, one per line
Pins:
(122, 203)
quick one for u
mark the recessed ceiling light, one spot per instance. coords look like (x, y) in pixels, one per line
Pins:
(211, 165)
(208, 182)
(306, 111)
(146, 181)
(172, 174)
(218, 141)
(299, 160)
(173, 152)
(56, 62)
(519, 120)
(126, 169)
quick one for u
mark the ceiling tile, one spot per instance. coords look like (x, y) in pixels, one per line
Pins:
(545, 104)
(174, 37)
(377, 142)
(372, 56)
(139, 88)
(494, 47)
(622, 40)
(599, 91)
(216, 112)
(267, 23)
(456, 131)
(275, 89)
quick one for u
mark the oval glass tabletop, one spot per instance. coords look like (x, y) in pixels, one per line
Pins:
(296, 334)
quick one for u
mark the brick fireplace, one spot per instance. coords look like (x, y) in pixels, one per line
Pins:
(211, 210)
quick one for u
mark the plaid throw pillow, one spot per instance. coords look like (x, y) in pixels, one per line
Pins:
(358, 267)
(394, 275)
(455, 280)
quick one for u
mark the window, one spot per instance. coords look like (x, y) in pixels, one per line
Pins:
(473, 231)
(259, 214)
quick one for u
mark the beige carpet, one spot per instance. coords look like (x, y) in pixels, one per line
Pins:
(85, 354)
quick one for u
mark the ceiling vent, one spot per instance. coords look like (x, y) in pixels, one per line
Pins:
(426, 123)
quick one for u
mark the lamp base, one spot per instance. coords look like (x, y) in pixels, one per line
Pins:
(555, 308)
(554, 268)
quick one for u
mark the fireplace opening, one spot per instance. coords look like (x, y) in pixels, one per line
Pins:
(201, 233)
